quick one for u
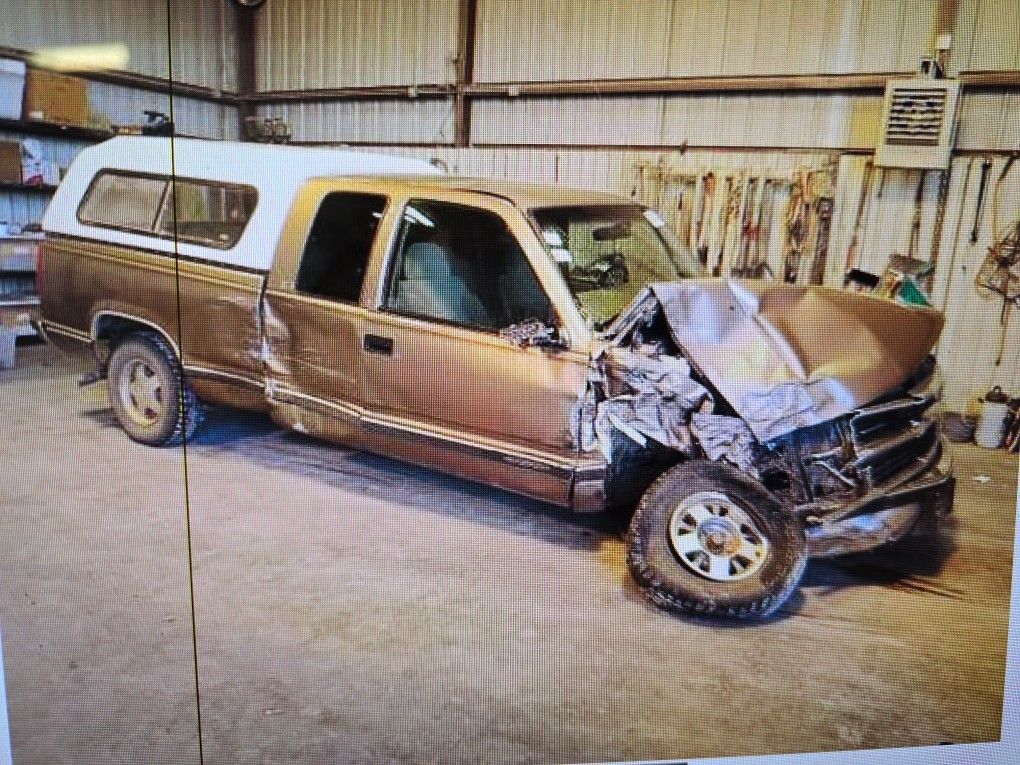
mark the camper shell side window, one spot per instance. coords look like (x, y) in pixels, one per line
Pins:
(209, 213)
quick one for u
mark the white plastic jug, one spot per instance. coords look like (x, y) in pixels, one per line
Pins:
(992, 425)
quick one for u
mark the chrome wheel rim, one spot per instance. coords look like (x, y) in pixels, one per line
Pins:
(715, 538)
(141, 393)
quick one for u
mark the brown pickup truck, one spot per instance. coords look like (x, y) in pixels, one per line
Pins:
(557, 343)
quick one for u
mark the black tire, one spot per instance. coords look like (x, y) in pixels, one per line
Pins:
(170, 413)
(758, 588)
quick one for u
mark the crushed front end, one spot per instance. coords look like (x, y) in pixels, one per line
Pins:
(819, 395)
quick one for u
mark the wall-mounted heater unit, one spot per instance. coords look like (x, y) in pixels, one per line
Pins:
(919, 123)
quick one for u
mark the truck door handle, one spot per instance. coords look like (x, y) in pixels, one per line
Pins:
(377, 344)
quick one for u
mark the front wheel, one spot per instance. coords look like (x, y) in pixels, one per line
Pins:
(152, 400)
(709, 539)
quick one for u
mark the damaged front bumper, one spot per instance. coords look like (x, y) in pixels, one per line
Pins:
(884, 517)
(907, 481)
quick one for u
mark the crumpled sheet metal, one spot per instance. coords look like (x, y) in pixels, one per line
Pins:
(725, 438)
(787, 357)
(275, 334)
(659, 396)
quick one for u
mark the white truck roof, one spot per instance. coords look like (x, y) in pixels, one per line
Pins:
(277, 172)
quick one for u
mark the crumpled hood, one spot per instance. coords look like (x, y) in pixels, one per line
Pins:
(786, 357)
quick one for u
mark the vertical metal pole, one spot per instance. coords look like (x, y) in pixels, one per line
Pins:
(244, 26)
(944, 22)
(467, 18)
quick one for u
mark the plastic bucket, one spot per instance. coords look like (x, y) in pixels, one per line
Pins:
(992, 425)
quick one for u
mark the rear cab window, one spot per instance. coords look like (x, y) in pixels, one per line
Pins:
(201, 212)
(339, 245)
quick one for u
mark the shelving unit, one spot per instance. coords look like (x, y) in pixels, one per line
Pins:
(18, 301)
(15, 195)
(32, 129)
(52, 130)
(27, 187)
(17, 298)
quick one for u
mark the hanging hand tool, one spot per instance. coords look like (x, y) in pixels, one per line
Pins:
(754, 259)
(956, 233)
(862, 200)
(638, 191)
(751, 231)
(748, 231)
(823, 213)
(659, 174)
(1007, 299)
(729, 207)
(768, 233)
(705, 218)
(684, 207)
(797, 225)
(985, 167)
(940, 219)
(735, 239)
(697, 212)
(915, 221)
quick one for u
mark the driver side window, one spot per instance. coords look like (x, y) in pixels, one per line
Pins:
(461, 265)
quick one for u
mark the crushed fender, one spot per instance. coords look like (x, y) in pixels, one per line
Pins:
(726, 438)
(643, 396)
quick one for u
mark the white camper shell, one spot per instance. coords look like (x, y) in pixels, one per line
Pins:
(275, 173)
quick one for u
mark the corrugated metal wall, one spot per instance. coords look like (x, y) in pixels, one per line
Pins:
(548, 40)
(619, 38)
(766, 120)
(405, 121)
(339, 43)
(201, 31)
(330, 43)
(322, 44)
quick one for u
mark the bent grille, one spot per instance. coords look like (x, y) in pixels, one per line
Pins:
(889, 438)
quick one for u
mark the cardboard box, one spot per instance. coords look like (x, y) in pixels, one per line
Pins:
(10, 162)
(12, 87)
(56, 98)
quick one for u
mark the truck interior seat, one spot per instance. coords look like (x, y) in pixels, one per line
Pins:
(430, 287)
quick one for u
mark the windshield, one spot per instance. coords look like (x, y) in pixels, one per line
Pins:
(607, 253)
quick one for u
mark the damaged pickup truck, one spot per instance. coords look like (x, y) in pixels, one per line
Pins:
(557, 343)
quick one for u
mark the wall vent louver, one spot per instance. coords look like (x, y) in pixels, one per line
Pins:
(919, 123)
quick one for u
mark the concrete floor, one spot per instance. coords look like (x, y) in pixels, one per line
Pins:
(354, 609)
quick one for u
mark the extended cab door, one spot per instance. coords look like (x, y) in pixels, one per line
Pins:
(440, 385)
(312, 317)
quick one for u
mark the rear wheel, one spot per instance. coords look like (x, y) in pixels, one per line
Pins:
(152, 400)
(708, 539)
